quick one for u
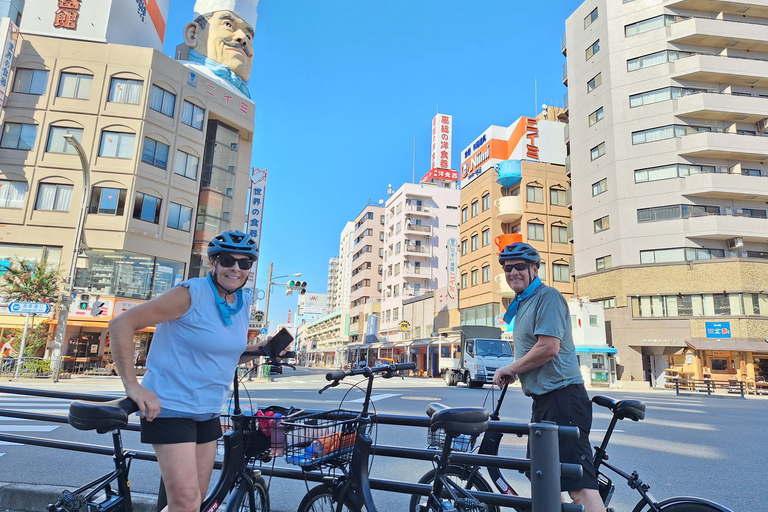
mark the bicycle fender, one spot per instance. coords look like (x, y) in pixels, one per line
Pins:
(662, 505)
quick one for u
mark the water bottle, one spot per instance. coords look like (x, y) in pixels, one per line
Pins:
(278, 436)
(316, 448)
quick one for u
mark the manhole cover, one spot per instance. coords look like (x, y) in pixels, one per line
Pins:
(423, 398)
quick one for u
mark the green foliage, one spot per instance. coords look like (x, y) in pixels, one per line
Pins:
(37, 337)
(31, 281)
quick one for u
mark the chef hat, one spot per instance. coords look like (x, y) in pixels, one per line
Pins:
(246, 9)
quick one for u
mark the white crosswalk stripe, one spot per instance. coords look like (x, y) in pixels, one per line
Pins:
(32, 404)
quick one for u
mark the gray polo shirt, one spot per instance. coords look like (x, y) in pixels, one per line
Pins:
(546, 313)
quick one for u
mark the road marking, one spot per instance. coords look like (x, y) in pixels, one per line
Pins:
(375, 398)
(28, 428)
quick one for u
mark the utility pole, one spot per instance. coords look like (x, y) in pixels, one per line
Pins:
(266, 300)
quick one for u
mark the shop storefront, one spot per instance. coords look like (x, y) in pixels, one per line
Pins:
(598, 365)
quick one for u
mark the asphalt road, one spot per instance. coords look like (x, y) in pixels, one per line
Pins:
(687, 445)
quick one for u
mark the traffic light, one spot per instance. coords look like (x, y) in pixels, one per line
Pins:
(84, 301)
(291, 285)
(97, 308)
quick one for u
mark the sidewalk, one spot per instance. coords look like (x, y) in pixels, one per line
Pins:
(36, 498)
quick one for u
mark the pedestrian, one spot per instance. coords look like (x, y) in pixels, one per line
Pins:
(7, 353)
(546, 364)
(202, 332)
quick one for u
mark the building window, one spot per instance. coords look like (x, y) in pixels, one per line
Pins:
(559, 235)
(474, 208)
(124, 90)
(592, 50)
(53, 197)
(593, 320)
(599, 187)
(155, 153)
(557, 197)
(663, 94)
(535, 194)
(679, 254)
(474, 242)
(147, 208)
(597, 151)
(595, 82)
(12, 193)
(192, 115)
(464, 214)
(116, 145)
(396, 269)
(18, 136)
(107, 201)
(74, 85)
(675, 211)
(486, 237)
(603, 263)
(397, 248)
(486, 201)
(464, 281)
(162, 101)
(655, 59)
(464, 247)
(590, 18)
(596, 116)
(665, 172)
(30, 81)
(560, 273)
(487, 274)
(535, 231)
(602, 224)
(474, 274)
(663, 20)
(543, 271)
(179, 216)
(186, 165)
(56, 142)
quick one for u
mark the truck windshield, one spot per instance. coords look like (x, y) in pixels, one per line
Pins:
(498, 348)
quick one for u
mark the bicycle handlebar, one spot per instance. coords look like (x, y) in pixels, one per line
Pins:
(337, 375)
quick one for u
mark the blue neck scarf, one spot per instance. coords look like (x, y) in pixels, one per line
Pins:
(226, 310)
(520, 297)
(221, 71)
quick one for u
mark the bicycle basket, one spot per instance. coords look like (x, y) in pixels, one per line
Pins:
(461, 443)
(324, 439)
(265, 434)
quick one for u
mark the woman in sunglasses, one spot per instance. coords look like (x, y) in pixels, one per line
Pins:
(202, 332)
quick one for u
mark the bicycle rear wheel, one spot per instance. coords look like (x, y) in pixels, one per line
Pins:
(319, 499)
(459, 475)
(239, 501)
(680, 506)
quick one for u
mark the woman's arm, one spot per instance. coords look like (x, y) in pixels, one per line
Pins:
(169, 306)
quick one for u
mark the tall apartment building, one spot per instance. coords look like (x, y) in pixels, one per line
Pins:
(422, 221)
(668, 114)
(526, 196)
(366, 264)
(333, 274)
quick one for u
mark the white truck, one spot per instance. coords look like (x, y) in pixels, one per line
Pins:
(476, 357)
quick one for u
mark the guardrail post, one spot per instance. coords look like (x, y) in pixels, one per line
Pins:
(709, 388)
(741, 388)
(677, 386)
(545, 467)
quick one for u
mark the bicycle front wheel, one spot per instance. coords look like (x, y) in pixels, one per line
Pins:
(319, 499)
(459, 475)
(681, 506)
(239, 500)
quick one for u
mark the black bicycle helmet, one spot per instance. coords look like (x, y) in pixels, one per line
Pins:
(520, 251)
(233, 242)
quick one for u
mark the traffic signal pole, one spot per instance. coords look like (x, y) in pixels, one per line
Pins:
(266, 302)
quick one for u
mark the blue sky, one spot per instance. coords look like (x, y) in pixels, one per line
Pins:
(343, 86)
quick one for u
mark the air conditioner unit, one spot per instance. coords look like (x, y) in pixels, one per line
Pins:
(762, 126)
(735, 243)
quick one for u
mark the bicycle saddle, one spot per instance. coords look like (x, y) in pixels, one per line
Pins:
(459, 420)
(632, 409)
(101, 416)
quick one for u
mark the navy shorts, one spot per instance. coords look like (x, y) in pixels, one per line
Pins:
(179, 430)
(570, 406)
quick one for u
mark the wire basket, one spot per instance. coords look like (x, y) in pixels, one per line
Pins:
(324, 439)
(461, 443)
(265, 434)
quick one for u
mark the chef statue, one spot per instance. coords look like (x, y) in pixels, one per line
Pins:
(220, 41)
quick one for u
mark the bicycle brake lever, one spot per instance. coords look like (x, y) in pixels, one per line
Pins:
(331, 385)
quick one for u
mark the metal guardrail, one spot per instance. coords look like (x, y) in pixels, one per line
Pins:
(544, 462)
(30, 367)
(710, 386)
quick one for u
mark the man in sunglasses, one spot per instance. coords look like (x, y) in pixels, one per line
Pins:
(546, 364)
(202, 332)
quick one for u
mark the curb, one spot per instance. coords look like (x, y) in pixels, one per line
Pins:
(16, 497)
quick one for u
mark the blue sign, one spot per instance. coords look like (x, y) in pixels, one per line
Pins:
(371, 328)
(718, 329)
(29, 308)
(263, 330)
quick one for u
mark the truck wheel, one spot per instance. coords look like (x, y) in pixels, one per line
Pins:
(450, 380)
(475, 384)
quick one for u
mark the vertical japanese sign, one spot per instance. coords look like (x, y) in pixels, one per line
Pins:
(10, 35)
(453, 267)
(442, 126)
(255, 214)
(67, 14)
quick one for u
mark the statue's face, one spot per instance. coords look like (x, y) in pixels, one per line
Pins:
(228, 40)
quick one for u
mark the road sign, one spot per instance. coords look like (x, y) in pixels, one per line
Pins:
(29, 308)
(264, 330)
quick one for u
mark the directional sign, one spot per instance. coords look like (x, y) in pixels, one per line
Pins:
(29, 308)
(264, 330)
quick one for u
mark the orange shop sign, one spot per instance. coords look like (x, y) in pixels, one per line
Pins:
(67, 14)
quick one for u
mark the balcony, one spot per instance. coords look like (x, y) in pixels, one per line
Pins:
(568, 165)
(565, 103)
(569, 198)
(412, 272)
(567, 133)
(565, 74)
(502, 288)
(509, 209)
(723, 227)
(723, 107)
(725, 146)
(563, 48)
(721, 69)
(730, 185)
(719, 34)
(569, 231)
(413, 210)
(417, 229)
(418, 251)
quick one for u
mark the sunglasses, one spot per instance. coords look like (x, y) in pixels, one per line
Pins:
(225, 260)
(517, 266)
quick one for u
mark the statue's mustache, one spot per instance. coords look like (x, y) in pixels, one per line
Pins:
(239, 46)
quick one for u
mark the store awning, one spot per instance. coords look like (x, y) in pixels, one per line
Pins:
(596, 350)
(76, 322)
(735, 345)
(386, 345)
(422, 342)
(354, 347)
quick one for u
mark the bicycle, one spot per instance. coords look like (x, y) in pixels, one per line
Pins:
(243, 444)
(338, 440)
(470, 477)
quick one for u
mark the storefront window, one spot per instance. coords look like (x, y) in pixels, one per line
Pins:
(167, 275)
(128, 275)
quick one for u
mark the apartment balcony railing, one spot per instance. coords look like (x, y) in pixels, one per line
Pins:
(417, 229)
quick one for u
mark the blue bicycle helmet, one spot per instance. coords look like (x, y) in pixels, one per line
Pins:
(233, 242)
(520, 251)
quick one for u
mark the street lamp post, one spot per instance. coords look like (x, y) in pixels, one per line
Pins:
(66, 301)
(269, 291)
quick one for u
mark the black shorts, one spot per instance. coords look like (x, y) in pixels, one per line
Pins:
(570, 406)
(179, 430)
